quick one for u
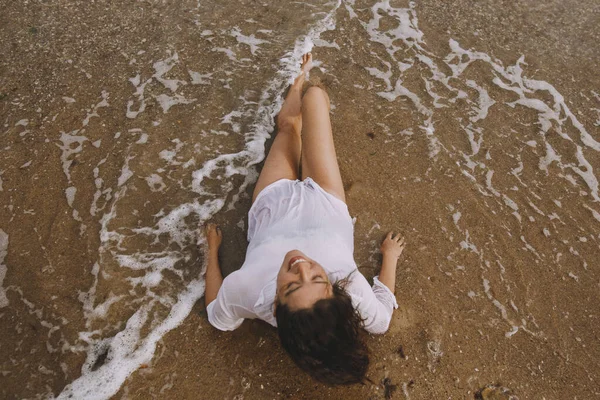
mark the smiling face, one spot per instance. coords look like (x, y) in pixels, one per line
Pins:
(301, 281)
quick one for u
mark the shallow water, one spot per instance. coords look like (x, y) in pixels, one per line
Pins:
(126, 127)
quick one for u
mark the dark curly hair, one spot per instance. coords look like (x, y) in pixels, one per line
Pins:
(326, 340)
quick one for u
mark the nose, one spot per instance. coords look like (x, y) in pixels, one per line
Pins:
(303, 269)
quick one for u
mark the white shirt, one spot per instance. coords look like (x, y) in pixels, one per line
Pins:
(289, 215)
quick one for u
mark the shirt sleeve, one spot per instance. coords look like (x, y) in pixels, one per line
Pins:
(375, 304)
(224, 314)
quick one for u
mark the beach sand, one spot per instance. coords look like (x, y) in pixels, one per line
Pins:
(112, 113)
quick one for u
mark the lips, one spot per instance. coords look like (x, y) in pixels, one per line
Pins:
(293, 260)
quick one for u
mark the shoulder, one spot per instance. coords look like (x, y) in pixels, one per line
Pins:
(357, 284)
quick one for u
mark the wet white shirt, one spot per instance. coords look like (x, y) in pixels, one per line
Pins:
(301, 215)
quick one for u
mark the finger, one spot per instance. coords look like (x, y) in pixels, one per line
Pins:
(210, 227)
(389, 235)
(400, 239)
(397, 237)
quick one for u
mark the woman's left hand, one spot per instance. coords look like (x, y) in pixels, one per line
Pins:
(393, 245)
(214, 236)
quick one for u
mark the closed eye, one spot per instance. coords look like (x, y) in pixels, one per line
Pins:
(316, 279)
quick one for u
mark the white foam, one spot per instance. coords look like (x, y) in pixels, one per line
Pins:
(484, 102)
(456, 217)
(70, 193)
(573, 276)
(251, 41)
(595, 213)
(546, 232)
(514, 326)
(324, 43)
(471, 133)
(94, 110)
(467, 244)
(586, 173)
(170, 155)
(401, 91)
(126, 173)
(139, 93)
(91, 310)
(166, 101)
(127, 350)
(560, 104)
(384, 76)
(155, 182)
(107, 193)
(229, 119)
(3, 268)
(531, 143)
(228, 52)
(143, 139)
(71, 144)
(162, 67)
(549, 158)
(530, 248)
(200, 79)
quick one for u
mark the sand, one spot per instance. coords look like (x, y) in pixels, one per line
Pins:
(497, 285)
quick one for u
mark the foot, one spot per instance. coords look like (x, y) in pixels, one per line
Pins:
(290, 116)
(306, 64)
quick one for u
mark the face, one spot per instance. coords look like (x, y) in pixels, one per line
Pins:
(301, 281)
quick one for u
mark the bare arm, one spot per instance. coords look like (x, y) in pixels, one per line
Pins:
(214, 278)
(391, 248)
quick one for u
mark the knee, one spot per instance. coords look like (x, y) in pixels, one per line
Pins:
(316, 93)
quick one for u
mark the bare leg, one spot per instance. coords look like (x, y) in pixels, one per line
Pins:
(283, 160)
(319, 160)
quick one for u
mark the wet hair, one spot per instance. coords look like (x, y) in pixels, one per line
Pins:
(326, 341)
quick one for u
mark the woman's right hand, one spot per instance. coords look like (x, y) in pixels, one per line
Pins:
(392, 245)
(214, 236)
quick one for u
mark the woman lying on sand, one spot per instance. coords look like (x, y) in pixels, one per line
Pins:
(299, 274)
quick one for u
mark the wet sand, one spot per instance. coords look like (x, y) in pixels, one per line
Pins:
(488, 293)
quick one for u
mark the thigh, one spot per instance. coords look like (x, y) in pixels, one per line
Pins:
(319, 160)
(282, 162)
